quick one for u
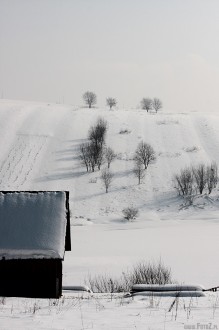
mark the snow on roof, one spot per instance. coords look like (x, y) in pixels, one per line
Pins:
(32, 225)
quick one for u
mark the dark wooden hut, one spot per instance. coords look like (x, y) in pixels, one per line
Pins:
(34, 235)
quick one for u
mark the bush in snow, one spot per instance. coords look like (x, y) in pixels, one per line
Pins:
(130, 213)
(141, 273)
(149, 273)
(124, 131)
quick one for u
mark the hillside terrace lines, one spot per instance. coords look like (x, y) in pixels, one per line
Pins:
(20, 161)
(208, 131)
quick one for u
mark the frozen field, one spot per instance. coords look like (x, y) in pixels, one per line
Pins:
(106, 312)
(38, 151)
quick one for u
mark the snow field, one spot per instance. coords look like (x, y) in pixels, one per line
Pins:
(39, 143)
(76, 311)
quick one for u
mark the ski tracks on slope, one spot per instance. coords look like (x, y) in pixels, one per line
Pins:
(20, 161)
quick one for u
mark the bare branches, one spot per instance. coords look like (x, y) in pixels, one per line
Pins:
(97, 133)
(199, 178)
(184, 181)
(111, 102)
(156, 104)
(144, 154)
(212, 177)
(139, 172)
(146, 104)
(90, 98)
(109, 156)
(106, 177)
(130, 213)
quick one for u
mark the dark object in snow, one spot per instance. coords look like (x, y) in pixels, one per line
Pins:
(214, 289)
(34, 235)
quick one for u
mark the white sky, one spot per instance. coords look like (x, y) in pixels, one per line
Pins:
(128, 49)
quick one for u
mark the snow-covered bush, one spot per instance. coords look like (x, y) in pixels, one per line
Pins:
(130, 213)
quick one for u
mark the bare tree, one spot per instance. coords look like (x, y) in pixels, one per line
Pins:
(200, 177)
(212, 177)
(157, 104)
(146, 104)
(106, 177)
(90, 98)
(84, 155)
(111, 102)
(97, 133)
(144, 154)
(88, 155)
(100, 159)
(109, 155)
(139, 171)
(184, 182)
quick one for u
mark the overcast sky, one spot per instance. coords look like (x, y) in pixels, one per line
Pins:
(128, 49)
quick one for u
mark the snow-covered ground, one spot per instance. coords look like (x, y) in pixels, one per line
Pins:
(107, 312)
(38, 151)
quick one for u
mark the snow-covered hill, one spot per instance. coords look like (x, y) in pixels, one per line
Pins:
(38, 151)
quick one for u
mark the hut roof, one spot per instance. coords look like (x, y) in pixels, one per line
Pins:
(33, 224)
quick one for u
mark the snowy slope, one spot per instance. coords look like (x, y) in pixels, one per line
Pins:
(39, 143)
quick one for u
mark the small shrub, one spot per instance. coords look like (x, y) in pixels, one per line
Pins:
(141, 273)
(124, 131)
(130, 213)
(192, 149)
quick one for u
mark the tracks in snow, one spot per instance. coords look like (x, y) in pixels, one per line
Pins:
(15, 170)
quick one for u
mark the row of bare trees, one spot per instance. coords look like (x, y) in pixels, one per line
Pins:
(193, 180)
(90, 99)
(94, 152)
(151, 104)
